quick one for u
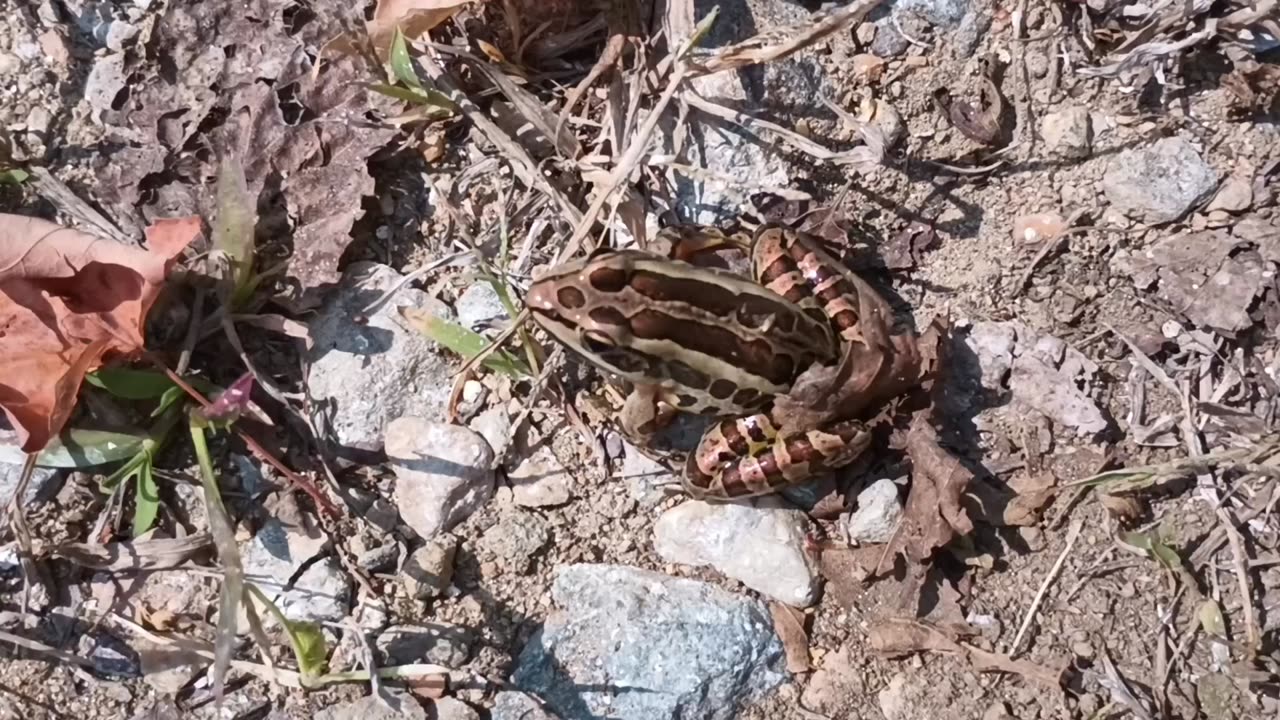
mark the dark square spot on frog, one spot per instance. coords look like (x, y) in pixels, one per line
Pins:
(687, 376)
(747, 397)
(607, 279)
(608, 316)
(722, 389)
(571, 298)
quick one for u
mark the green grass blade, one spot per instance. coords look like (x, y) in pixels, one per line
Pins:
(146, 500)
(463, 341)
(80, 449)
(130, 383)
(401, 63)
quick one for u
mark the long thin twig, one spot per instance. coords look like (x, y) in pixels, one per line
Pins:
(1242, 580)
(1073, 534)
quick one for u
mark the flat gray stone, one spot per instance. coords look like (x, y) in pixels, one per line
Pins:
(539, 480)
(403, 707)
(366, 371)
(276, 553)
(438, 643)
(429, 570)
(1159, 183)
(443, 473)
(636, 645)
(762, 546)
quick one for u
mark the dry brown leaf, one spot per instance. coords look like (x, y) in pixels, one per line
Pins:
(68, 298)
(415, 18)
(788, 624)
(900, 637)
(934, 514)
(157, 554)
(983, 122)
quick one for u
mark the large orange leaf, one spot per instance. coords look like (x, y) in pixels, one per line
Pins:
(67, 299)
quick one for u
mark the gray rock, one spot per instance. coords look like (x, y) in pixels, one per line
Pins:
(479, 305)
(539, 480)
(438, 643)
(762, 546)
(1235, 195)
(515, 540)
(447, 708)
(1068, 132)
(42, 485)
(879, 509)
(429, 569)
(443, 473)
(320, 594)
(645, 477)
(893, 699)
(944, 14)
(274, 556)
(513, 705)
(367, 373)
(1159, 183)
(380, 558)
(403, 706)
(494, 425)
(637, 645)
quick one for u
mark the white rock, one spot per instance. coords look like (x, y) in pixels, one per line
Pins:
(879, 509)
(893, 699)
(762, 545)
(1068, 132)
(1235, 195)
(443, 473)
(479, 305)
(367, 373)
(495, 425)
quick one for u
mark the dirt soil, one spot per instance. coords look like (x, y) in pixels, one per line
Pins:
(1102, 608)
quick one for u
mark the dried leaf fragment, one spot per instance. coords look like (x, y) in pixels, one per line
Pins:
(68, 298)
(899, 637)
(934, 514)
(788, 623)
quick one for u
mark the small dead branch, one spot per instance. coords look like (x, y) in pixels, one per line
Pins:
(1242, 580)
(1073, 534)
(1148, 54)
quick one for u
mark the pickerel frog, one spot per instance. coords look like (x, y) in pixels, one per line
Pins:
(708, 341)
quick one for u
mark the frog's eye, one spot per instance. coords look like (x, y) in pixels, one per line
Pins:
(597, 342)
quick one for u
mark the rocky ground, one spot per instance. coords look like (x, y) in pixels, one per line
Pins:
(1098, 225)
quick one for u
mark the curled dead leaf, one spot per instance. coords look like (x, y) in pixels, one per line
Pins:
(68, 298)
(982, 123)
(934, 514)
(788, 624)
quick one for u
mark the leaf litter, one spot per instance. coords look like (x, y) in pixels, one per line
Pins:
(271, 126)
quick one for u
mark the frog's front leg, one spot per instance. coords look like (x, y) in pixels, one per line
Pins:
(747, 456)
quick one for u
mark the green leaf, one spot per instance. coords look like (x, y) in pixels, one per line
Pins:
(13, 176)
(224, 541)
(463, 341)
(80, 449)
(305, 638)
(435, 99)
(146, 500)
(308, 647)
(401, 63)
(131, 384)
(233, 229)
